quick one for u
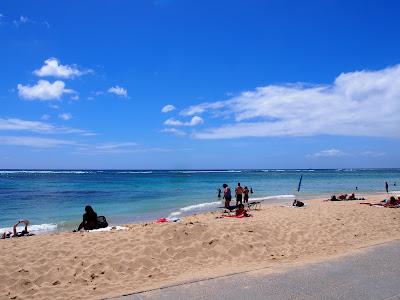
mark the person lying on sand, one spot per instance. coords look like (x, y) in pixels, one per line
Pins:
(89, 219)
(392, 202)
(24, 232)
(344, 197)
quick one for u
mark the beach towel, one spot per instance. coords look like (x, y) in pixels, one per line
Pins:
(237, 217)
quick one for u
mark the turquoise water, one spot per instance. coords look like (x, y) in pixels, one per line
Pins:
(55, 199)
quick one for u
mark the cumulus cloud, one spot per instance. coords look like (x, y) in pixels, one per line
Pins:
(196, 120)
(65, 116)
(119, 91)
(53, 68)
(37, 142)
(362, 103)
(44, 90)
(168, 108)
(14, 124)
(174, 131)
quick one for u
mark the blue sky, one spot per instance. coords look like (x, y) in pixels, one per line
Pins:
(199, 84)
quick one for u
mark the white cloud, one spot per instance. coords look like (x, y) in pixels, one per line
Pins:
(364, 103)
(45, 117)
(23, 19)
(37, 142)
(373, 153)
(65, 116)
(118, 148)
(13, 124)
(53, 68)
(54, 106)
(113, 146)
(119, 91)
(168, 108)
(174, 131)
(329, 153)
(44, 90)
(193, 122)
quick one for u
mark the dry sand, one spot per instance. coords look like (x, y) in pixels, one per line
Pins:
(95, 265)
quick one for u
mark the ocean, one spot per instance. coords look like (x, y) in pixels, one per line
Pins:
(55, 199)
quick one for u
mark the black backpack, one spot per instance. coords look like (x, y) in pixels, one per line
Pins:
(298, 203)
(102, 222)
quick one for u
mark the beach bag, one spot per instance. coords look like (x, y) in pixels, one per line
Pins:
(102, 222)
(298, 203)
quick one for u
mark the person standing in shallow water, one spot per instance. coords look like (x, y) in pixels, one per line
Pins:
(387, 187)
(227, 195)
(246, 195)
(219, 193)
(239, 194)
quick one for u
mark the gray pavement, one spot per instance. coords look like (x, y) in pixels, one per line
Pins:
(373, 273)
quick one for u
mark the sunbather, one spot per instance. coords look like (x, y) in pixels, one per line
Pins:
(392, 202)
(15, 233)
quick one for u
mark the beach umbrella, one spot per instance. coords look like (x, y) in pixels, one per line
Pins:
(299, 186)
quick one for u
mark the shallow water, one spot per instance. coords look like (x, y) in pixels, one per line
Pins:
(54, 199)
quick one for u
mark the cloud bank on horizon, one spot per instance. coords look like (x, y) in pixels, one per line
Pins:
(360, 103)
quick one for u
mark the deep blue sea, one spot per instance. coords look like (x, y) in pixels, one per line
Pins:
(55, 199)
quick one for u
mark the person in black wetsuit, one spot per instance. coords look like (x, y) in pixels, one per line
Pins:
(89, 221)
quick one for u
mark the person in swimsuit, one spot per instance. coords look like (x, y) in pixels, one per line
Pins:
(246, 195)
(240, 211)
(15, 233)
(239, 194)
(219, 193)
(227, 195)
(89, 221)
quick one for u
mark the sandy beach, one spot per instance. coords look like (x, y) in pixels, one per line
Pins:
(96, 265)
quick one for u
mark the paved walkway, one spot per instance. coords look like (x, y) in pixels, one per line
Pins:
(373, 273)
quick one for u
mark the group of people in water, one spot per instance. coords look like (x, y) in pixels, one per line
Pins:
(241, 194)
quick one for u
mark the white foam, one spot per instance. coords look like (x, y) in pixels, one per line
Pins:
(41, 172)
(34, 228)
(174, 214)
(207, 171)
(200, 206)
(135, 172)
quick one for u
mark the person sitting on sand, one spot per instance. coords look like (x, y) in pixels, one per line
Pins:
(240, 211)
(89, 221)
(227, 195)
(343, 197)
(246, 195)
(15, 233)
